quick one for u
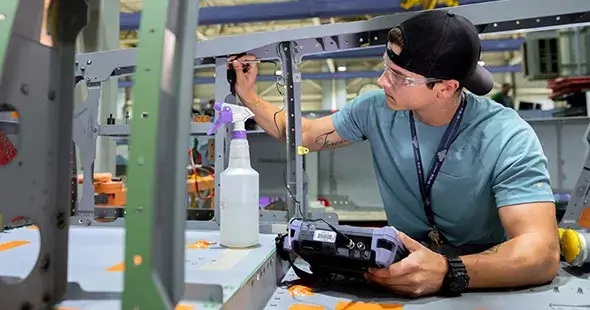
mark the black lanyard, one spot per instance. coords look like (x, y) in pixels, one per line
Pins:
(439, 158)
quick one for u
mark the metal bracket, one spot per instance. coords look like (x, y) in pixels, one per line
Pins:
(42, 166)
(85, 135)
(577, 214)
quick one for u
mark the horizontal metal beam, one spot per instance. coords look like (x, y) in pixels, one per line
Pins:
(492, 45)
(291, 10)
(333, 76)
(489, 17)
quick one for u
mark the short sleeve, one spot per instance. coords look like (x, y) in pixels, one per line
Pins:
(352, 121)
(521, 174)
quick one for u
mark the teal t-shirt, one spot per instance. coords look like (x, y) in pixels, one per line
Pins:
(495, 161)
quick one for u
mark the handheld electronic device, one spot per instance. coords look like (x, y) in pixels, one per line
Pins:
(332, 250)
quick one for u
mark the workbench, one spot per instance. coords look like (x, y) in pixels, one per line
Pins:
(216, 277)
(220, 278)
(569, 291)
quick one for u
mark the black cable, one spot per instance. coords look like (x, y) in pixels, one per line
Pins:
(279, 82)
(342, 235)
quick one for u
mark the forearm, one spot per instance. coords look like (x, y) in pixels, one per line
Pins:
(269, 117)
(523, 260)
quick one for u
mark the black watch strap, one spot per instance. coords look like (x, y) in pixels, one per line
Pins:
(456, 280)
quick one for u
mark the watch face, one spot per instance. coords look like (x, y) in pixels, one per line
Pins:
(459, 283)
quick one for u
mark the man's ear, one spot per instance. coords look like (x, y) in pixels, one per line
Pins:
(447, 89)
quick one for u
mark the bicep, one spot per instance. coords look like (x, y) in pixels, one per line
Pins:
(521, 175)
(319, 134)
(530, 218)
(522, 186)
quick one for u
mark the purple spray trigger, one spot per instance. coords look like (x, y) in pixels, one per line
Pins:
(225, 116)
(217, 106)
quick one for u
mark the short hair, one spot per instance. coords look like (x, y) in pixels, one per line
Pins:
(396, 37)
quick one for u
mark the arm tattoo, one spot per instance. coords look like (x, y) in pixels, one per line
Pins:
(324, 143)
(492, 250)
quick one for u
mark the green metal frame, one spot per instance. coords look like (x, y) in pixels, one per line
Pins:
(7, 14)
(163, 91)
(140, 288)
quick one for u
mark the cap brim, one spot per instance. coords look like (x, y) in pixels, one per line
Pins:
(481, 82)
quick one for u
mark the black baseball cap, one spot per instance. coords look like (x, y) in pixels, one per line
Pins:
(443, 45)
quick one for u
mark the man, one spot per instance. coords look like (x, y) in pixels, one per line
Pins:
(502, 97)
(493, 188)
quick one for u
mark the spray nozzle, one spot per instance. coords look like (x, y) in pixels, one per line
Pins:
(230, 113)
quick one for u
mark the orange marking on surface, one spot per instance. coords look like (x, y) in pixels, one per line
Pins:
(306, 307)
(584, 220)
(12, 244)
(300, 290)
(116, 268)
(184, 307)
(34, 227)
(201, 244)
(351, 305)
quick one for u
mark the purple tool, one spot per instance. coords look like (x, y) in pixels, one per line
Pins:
(341, 247)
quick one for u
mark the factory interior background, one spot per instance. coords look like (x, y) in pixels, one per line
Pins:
(531, 63)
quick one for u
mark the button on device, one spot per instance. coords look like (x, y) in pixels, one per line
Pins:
(360, 246)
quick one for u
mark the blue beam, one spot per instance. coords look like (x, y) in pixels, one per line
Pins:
(290, 10)
(332, 76)
(493, 45)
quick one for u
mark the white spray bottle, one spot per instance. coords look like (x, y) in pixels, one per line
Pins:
(239, 183)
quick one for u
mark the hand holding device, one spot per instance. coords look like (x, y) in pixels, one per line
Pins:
(420, 273)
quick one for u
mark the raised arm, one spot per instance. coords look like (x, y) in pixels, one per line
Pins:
(317, 134)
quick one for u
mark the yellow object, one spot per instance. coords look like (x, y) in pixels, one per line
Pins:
(427, 4)
(560, 232)
(571, 245)
(302, 150)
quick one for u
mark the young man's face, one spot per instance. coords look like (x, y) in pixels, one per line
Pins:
(404, 90)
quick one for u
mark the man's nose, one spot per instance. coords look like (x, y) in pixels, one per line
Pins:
(383, 82)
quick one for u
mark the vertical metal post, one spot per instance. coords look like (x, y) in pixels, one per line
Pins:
(222, 136)
(156, 209)
(297, 200)
(42, 164)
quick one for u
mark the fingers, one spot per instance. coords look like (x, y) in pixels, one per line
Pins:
(410, 244)
(242, 58)
(243, 70)
(379, 272)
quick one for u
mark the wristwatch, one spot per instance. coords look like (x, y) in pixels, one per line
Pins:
(456, 280)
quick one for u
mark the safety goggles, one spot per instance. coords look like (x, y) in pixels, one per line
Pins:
(399, 79)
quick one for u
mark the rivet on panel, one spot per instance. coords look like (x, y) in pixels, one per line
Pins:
(137, 260)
